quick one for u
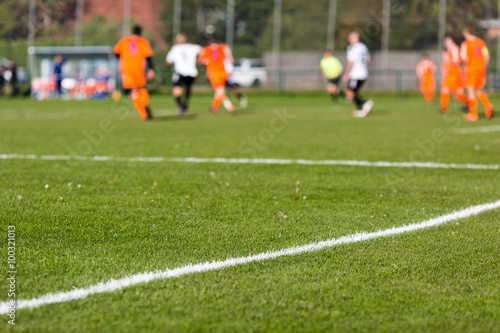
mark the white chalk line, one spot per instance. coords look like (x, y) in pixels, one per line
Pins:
(271, 161)
(146, 277)
(482, 129)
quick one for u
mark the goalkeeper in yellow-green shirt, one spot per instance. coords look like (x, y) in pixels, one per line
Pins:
(332, 69)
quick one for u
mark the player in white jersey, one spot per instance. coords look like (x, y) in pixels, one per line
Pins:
(358, 59)
(184, 58)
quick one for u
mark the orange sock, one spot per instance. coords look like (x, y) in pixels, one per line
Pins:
(445, 101)
(472, 102)
(218, 101)
(462, 98)
(140, 98)
(429, 97)
(481, 95)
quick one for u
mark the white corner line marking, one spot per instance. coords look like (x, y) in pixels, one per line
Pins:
(271, 161)
(146, 277)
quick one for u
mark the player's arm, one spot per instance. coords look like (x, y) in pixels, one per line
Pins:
(348, 71)
(419, 71)
(202, 60)
(463, 53)
(229, 54)
(150, 73)
(486, 55)
(169, 61)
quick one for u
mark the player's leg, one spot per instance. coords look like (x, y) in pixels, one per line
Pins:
(481, 95)
(355, 86)
(234, 89)
(219, 97)
(460, 95)
(218, 81)
(423, 89)
(333, 90)
(188, 84)
(445, 98)
(59, 88)
(140, 99)
(483, 98)
(363, 107)
(460, 89)
(178, 81)
(429, 92)
(471, 103)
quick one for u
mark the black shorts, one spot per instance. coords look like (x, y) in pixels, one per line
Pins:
(180, 80)
(230, 84)
(335, 80)
(355, 85)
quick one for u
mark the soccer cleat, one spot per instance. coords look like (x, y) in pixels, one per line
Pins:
(243, 102)
(444, 110)
(228, 105)
(150, 115)
(183, 109)
(470, 117)
(358, 114)
(213, 110)
(367, 107)
(489, 113)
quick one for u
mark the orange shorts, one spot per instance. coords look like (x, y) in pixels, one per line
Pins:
(475, 78)
(218, 79)
(453, 81)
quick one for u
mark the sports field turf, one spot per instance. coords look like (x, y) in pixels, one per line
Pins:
(80, 222)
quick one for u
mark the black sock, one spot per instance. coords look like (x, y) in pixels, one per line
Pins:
(359, 101)
(239, 95)
(178, 101)
(186, 96)
(148, 110)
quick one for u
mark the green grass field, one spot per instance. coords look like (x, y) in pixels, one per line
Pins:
(120, 218)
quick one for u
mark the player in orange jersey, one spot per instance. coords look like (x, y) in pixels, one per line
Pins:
(476, 57)
(213, 56)
(136, 68)
(425, 72)
(452, 81)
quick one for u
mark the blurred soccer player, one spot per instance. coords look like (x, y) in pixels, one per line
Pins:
(136, 68)
(213, 56)
(356, 74)
(183, 56)
(425, 72)
(476, 57)
(233, 87)
(332, 71)
(452, 81)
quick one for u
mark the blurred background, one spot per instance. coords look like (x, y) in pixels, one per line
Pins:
(278, 43)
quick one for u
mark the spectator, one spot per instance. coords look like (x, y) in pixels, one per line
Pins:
(13, 79)
(58, 73)
(2, 80)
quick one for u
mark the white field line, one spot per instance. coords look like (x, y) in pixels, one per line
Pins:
(146, 277)
(221, 160)
(482, 129)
